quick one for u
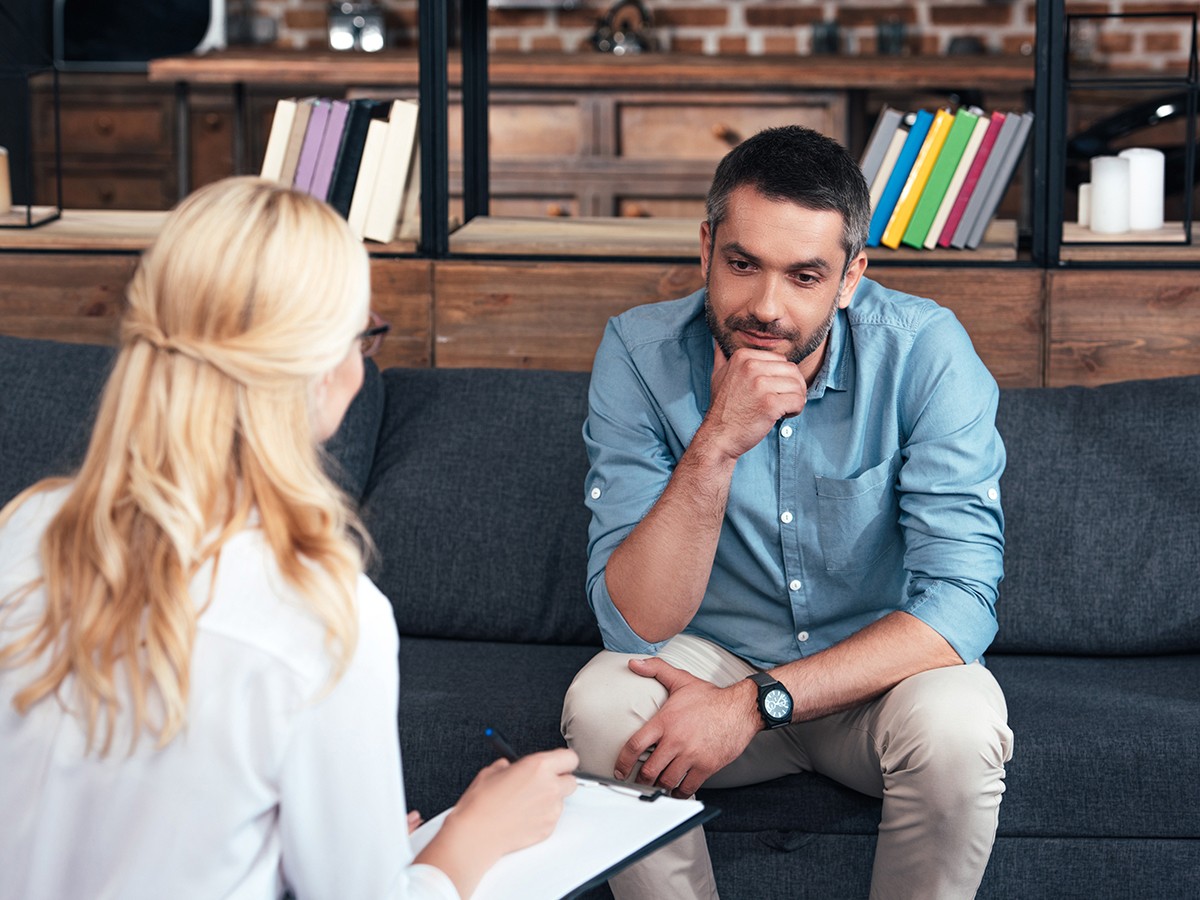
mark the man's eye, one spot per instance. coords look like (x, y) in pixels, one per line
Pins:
(740, 265)
(805, 278)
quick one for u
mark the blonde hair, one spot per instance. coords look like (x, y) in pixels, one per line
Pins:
(250, 294)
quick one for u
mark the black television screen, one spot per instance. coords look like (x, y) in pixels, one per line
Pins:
(125, 34)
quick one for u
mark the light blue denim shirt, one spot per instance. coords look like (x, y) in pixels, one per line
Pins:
(883, 494)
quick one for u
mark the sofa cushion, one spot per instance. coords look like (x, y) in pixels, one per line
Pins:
(476, 505)
(1102, 747)
(1102, 519)
(51, 391)
(47, 405)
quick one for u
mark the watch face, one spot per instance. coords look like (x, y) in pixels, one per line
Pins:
(778, 704)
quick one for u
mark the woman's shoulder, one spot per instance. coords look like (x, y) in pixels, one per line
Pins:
(252, 603)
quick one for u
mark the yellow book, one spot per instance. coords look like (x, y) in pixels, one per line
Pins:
(922, 166)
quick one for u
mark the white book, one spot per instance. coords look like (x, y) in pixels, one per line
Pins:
(956, 180)
(410, 218)
(368, 169)
(387, 200)
(879, 182)
(277, 141)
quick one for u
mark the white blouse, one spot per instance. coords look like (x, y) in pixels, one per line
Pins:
(277, 782)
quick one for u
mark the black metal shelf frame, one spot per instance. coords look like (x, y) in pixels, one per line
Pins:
(1052, 85)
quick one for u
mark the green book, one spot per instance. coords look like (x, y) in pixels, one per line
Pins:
(939, 178)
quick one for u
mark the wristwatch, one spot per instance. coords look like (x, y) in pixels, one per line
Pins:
(774, 701)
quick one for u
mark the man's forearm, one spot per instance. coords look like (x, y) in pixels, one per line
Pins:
(657, 577)
(865, 665)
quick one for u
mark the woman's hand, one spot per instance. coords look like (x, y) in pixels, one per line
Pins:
(506, 807)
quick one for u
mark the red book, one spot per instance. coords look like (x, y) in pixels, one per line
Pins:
(972, 179)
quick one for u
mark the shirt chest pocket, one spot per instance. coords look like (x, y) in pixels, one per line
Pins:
(858, 519)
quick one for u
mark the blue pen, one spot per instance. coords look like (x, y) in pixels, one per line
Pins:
(500, 744)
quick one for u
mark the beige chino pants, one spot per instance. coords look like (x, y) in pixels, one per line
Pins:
(933, 748)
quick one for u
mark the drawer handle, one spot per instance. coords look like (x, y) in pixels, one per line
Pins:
(107, 196)
(105, 125)
(557, 210)
(726, 133)
(635, 211)
(212, 121)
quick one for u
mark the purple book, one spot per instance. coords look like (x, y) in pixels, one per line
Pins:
(311, 147)
(334, 130)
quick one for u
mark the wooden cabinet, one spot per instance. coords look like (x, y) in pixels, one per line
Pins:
(120, 141)
(118, 148)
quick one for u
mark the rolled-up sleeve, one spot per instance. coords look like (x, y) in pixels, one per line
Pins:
(630, 466)
(950, 505)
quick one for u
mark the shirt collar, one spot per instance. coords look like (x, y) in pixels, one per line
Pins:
(833, 374)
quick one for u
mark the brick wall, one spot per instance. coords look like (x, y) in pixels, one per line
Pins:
(786, 27)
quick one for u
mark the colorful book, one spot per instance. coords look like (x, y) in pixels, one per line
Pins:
(956, 180)
(986, 177)
(313, 135)
(906, 204)
(331, 143)
(304, 107)
(995, 123)
(387, 200)
(368, 170)
(277, 140)
(960, 131)
(899, 176)
(345, 167)
(889, 163)
(877, 144)
(996, 189)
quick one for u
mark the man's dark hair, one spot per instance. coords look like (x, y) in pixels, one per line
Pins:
(800, 165)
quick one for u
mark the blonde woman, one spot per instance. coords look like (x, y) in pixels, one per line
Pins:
(198, 685)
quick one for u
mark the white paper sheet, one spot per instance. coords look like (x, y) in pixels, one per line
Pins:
(599, 828)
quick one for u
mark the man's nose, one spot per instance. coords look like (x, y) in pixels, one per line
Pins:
(767, 302)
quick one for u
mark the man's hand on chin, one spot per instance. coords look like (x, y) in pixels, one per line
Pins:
(699, 730)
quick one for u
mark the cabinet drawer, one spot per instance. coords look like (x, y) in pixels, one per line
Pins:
(141, 129)
(524, 130)
(83, 189)
(536, 207)
(660, 207)
(707, 131)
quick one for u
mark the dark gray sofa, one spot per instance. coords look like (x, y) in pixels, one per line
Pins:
(471, 483)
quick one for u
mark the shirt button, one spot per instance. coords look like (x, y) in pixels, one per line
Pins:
(993, 493)
(786, 431)
(802, 636)
(786, 518)
(794, 584)
(595, 493)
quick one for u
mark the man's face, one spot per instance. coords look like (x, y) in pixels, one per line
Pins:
(774, 278)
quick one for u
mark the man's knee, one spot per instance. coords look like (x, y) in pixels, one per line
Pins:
(952, 727)
(606, 702)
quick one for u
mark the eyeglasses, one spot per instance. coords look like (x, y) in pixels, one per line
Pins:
(371, 340)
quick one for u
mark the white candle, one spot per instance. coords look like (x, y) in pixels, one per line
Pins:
(1085, 205)
(1145, 187)
(1110, 195)
(5, 184)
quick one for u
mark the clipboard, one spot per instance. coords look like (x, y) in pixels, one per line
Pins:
(605, 826)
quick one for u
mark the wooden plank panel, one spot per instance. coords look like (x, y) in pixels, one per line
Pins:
(1001, 309)
(1112, 325)
(536, 315)
(541, 315)
(79, 298)
(73, 298)
(402, 293)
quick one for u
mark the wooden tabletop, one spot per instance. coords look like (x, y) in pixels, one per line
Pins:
(602, 70)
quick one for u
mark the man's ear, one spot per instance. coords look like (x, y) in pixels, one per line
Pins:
(705, 248)
(854, 272)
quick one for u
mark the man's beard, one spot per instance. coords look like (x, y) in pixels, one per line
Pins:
(801, 348)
